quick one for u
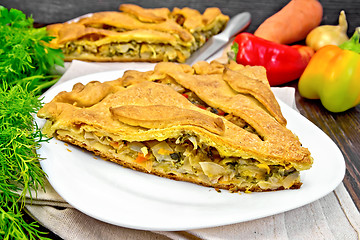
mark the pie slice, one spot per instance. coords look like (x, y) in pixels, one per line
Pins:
(144, 122)
(137, 34)
(240, 93)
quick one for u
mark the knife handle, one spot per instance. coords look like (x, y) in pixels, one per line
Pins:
(236, 24)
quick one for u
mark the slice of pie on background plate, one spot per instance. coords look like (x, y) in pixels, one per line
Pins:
(137, 34)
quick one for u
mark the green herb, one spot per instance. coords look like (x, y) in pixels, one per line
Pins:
(25, 57)
(25, 63)
(20, 170)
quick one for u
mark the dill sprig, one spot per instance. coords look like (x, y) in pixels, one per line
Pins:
(25, 63)
(19, 162)
(25, 57)
(15, 227)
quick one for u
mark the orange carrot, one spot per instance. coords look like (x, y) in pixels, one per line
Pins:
(141, 158)
(292, 23)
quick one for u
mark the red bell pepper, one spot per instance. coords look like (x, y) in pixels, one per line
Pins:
(283, 63)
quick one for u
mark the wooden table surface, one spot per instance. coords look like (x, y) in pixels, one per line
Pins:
(342, 128)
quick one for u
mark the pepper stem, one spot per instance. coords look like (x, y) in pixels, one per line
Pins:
(353, 43)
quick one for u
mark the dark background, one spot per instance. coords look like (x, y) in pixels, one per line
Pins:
(342, 128)
(54, 11)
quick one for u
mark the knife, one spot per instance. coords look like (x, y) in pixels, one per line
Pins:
(236, 24)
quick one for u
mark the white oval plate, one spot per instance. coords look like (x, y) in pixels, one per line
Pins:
(124, 197)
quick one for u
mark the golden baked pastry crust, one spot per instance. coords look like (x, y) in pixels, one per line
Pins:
(242, 91)
(137, 34)
(146, 15)
(123, 114)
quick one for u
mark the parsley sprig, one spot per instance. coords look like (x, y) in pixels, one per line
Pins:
(25, 63)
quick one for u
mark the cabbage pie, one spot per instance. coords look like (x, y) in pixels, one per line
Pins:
(212, 124)
(137, 34)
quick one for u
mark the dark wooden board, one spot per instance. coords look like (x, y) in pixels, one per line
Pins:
(62, 10)
(344, 129)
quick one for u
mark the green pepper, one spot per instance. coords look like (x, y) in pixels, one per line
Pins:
(333, 76)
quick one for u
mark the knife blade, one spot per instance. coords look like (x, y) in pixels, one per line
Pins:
(235, 25)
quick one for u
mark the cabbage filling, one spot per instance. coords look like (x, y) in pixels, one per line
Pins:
(131, 49)
(185, 157)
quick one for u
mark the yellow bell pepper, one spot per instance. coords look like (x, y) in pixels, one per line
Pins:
(333, 76)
